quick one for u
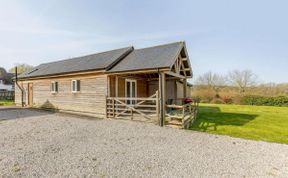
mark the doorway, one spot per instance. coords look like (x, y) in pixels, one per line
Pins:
(30, 94)
(130, 90)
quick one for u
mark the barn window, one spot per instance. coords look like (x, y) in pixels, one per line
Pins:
(54, 87)
(75, 86)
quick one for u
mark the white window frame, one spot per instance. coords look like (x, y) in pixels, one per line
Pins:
(53, 90)
(76, 86)
(131, 80)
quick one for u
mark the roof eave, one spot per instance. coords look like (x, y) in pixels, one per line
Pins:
(62, 74)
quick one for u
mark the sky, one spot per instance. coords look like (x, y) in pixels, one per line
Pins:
(220, 35)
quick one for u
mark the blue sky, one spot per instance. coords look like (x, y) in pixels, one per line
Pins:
(221, 35)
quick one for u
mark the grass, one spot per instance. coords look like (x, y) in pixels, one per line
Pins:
(264, 123)
(6, 103)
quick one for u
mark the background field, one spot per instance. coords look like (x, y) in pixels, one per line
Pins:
(6, 102)
(264, 123)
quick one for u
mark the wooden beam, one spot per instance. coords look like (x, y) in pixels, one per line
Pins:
(138, 71)
(116, 86)
(63, 75)
(182, 65)
(175, 75)
(160, 100)
(186, 69)
(108, 86)
(162, 93)
(184, 88)
(179, 65)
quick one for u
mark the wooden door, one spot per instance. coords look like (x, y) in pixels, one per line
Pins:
(30, 94)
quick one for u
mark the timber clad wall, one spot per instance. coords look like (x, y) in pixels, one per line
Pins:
(90, 99)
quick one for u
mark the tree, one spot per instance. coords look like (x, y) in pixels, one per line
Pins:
(6, 77)
(21, 68)
(242, 79)
(212, 80)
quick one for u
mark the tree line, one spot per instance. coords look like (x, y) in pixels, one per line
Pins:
(235, 87)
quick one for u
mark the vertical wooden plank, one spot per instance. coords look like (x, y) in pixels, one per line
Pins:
(160, 100)
(131, 113)
(108, 86)
(106, 102)
(162, 90)
(116, 86)
(164, 97)
(183, 114)
(113, 107)
(157, 105)
(185, 88)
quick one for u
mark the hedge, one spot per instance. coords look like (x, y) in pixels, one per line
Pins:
(264, 100)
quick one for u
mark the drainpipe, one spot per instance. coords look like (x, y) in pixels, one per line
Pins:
(22, 90)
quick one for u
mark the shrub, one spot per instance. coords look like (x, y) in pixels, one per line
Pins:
(264, 100)
(227, 99)
(217, 101)
(196, 98)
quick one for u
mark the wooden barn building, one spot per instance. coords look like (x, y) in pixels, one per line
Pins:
(115, 83)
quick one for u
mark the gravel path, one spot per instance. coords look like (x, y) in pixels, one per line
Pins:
(41, 144)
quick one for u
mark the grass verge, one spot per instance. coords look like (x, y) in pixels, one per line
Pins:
(6, 103)
(266, 123)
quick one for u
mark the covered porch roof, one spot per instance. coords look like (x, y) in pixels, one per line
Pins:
(171, 58)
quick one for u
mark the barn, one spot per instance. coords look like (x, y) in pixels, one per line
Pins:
(116, 83)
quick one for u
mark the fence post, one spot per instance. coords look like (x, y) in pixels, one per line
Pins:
(157, 105)
(113, 107)
(106, 106)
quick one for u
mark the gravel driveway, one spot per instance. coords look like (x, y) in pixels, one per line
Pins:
(42, 144)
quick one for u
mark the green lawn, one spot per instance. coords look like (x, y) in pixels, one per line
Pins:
(6, 103)
(251, 122)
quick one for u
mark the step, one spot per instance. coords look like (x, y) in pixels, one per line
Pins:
(173, 126)
(174, 116)
(174, 122)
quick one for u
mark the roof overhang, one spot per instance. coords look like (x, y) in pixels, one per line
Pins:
(62, 75)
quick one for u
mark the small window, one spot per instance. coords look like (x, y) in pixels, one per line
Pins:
(54, 87)
(75, 86)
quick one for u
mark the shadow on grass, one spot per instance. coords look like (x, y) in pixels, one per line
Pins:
(209, 118)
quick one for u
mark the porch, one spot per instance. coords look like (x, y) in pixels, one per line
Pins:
(155, 96)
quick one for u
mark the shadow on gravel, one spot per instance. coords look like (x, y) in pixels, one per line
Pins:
(19, 113)
(210, 118)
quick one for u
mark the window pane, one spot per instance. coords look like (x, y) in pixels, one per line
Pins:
(56, 86)
(128, 89)
(78, 85)
(73, 85)
(133, 89)
(52, 86)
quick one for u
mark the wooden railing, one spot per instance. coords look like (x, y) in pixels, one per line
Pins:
(182, 115)
(119, 107)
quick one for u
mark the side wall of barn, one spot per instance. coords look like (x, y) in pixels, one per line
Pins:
(89, 100)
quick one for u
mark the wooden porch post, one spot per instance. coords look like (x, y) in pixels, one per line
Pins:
(108, 86)
(184, 88)
(162, 98)
(116, 86)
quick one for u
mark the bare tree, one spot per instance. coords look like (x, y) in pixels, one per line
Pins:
(212, 80)
(21, 68)
(242, 79)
